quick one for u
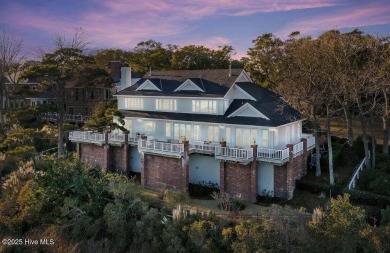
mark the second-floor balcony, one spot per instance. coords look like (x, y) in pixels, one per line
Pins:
(53, 116)
(278, 156)
(161, 148)
(240, 155)
(203, 147)
(86, 136)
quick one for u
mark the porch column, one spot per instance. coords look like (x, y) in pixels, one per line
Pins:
(143, 170)
(78, 148)
(253, 190)
(185, 167)
(290, 173)
(126, 154)
(106, 150)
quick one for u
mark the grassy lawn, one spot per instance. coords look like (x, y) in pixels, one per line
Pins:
(338, 127)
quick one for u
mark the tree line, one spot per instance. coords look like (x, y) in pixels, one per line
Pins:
(335, 74)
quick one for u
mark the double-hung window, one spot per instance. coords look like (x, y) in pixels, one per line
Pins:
(134, 103)
(166, 104)
(204, 106)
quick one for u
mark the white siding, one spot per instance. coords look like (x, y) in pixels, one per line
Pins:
(265, 179)
(204, 168)
(184, 105)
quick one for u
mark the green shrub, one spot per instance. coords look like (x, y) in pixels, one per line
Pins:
(173, 198)
(385, 216)
(368, 198)
(383, 162)
(376, 181)
(314, 187)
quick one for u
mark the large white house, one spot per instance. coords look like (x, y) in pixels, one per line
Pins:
(224, 117)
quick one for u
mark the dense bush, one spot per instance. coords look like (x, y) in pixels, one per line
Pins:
(375, 181)
(367, 198)
(203, 189)
(311, 186)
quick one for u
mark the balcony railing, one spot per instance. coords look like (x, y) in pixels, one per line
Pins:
(298, 149)
(311, 141)
(200, 147)
(234, 154)
(53, 116)
(273, 155)
(80, 136)
(159, 147)
(115, 138)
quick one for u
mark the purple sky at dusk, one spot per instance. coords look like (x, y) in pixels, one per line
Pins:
(124, 23)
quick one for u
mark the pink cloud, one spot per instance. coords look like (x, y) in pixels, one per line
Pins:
(347, 18)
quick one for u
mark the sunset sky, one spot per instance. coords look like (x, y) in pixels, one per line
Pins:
(124, 23)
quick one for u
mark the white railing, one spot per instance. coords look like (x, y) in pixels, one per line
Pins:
(297, 149)
(159, 146)
(200, 146)
(86, 136)
(234, 153)
(273, 154)
(355, 176)
(67, 117)
(115, 137)
(311, 142)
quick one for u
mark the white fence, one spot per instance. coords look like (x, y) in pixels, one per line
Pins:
(159, 146)
(273, 154)
(200, 146)
(234, 153)
(115, 137)
(355, 176)
(86, 136)
(297, 149)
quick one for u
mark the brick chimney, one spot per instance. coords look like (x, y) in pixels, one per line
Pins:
(115, 70)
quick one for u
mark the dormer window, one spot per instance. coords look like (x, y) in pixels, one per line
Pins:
(204, 106)
(148, 85)
(190, 85)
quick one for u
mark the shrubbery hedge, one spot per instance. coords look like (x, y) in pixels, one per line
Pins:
(367, 198)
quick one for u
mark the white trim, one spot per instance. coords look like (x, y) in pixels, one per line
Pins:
(246, 106)
(176, 97)
(245, 75)
(148, 85)
(244, 93)
(250, 97)
(188, 84)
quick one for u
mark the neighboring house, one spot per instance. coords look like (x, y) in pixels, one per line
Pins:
(194, 126)
(18, 89)
(41, 98)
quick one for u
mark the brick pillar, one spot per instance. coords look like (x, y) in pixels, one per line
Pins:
(143, 171)
(185, 167)
(305, 156)
(78, 148)
(222, 176)
(253, 197)
(126, 153)
(223, 143)
(107, 157)
(290, 173)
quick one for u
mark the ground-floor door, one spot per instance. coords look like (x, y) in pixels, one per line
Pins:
(265, 179)
(204, 169)
(135, 159)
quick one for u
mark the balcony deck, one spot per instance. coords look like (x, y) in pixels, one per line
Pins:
(87, 137)
(53, 116)
(311, 141)
(277, 156)
(201, 148)
(239, 155)
(161, 148)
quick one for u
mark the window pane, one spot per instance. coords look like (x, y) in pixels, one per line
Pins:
(196, 132)
(216, 133)
(265, 138)
(238, 137)
(177, 131)
(254, 136)
(228, 135)
(247, 138)
(168, 130)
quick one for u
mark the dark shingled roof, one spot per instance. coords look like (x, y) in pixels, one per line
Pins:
(215, 83)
